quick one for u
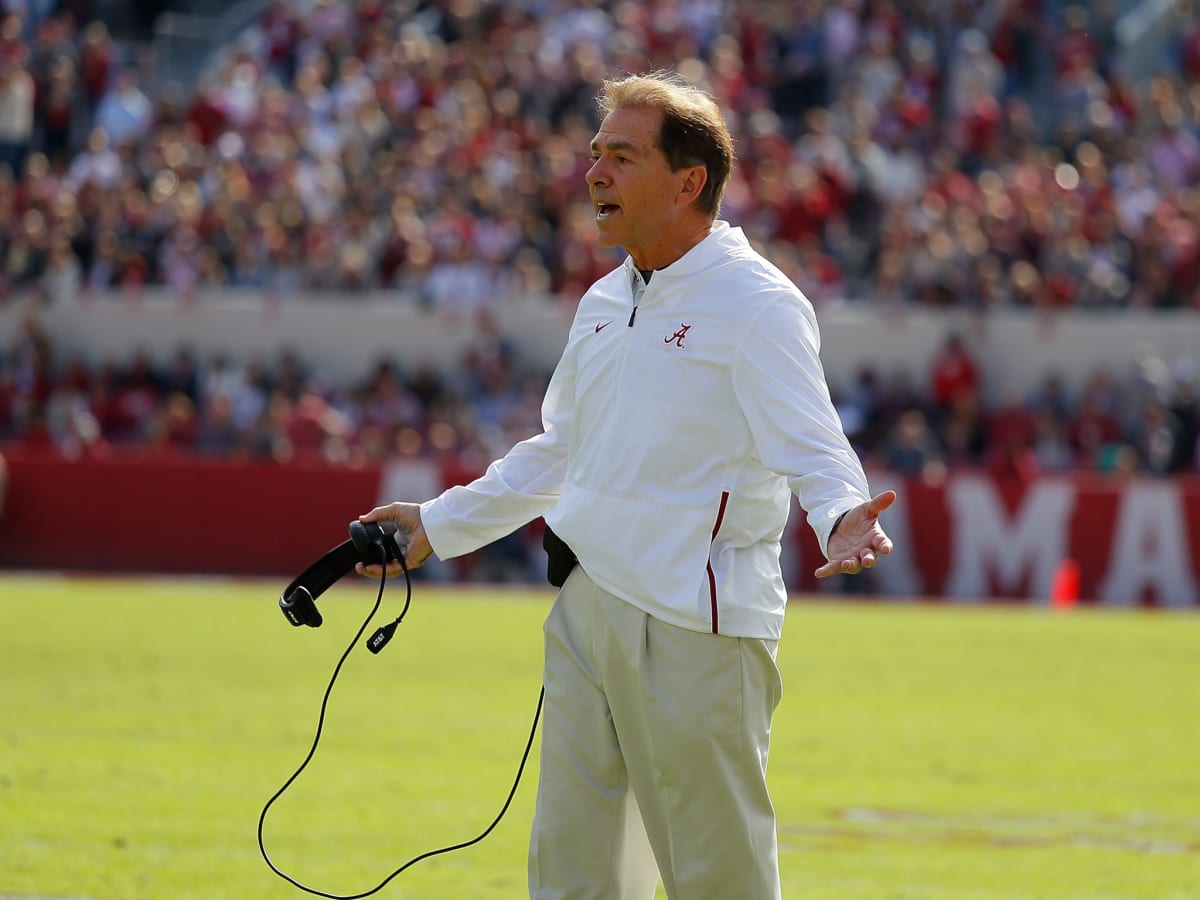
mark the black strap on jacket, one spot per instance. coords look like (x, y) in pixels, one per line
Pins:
(560, 559)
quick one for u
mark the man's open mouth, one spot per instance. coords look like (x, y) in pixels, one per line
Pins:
(604, 210)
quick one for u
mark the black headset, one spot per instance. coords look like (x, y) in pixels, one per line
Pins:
(370, 542)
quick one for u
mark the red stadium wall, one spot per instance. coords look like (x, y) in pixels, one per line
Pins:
(1136, 541)
(176, 514)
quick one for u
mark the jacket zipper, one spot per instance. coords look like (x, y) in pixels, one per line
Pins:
(634, 282)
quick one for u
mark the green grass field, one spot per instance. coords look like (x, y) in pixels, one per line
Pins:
(920, 751)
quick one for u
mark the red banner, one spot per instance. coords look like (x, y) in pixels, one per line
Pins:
(177, 514)
(1133, 541)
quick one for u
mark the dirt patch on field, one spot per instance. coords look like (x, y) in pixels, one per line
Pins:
(1135, 833)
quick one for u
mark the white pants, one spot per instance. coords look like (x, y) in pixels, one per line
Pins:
(654, 758)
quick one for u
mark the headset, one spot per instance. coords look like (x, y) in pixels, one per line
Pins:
(370, 542)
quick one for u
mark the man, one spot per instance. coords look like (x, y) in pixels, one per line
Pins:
(688, 401)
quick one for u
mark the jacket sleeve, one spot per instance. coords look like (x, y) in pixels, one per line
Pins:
(780, 384)
(515, 489)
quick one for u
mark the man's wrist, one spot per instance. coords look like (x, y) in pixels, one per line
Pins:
(836, 523)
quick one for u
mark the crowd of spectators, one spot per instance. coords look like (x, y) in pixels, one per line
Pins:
(890, 152)
(1145, 420)
(897, 151)
(279, 409)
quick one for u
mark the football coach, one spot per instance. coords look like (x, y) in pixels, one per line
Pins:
(688, 405)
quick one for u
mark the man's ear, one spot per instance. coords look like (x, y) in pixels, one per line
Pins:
(695, 178)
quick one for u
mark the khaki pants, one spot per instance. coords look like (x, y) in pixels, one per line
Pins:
(654, 757)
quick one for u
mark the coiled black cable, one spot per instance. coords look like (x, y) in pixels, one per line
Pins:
(386, 631)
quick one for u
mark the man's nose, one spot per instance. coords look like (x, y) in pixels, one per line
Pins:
(598, 173)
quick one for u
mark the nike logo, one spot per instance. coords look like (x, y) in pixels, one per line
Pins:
(605, 325)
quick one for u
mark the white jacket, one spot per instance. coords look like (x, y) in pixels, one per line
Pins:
(672, 436)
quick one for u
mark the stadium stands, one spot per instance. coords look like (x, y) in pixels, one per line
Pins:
(897, 154)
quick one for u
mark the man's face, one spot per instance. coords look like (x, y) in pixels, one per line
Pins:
(633, 190)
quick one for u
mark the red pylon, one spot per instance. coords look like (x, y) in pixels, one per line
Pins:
(1064, 589)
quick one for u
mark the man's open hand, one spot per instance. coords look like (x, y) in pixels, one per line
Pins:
(859, 540)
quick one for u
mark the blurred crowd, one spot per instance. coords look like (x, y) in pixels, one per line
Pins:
(965, 155)
(278, 409)
(1146, 420)
(944, 152)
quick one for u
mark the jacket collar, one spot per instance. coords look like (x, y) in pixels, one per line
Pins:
(720, 241)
